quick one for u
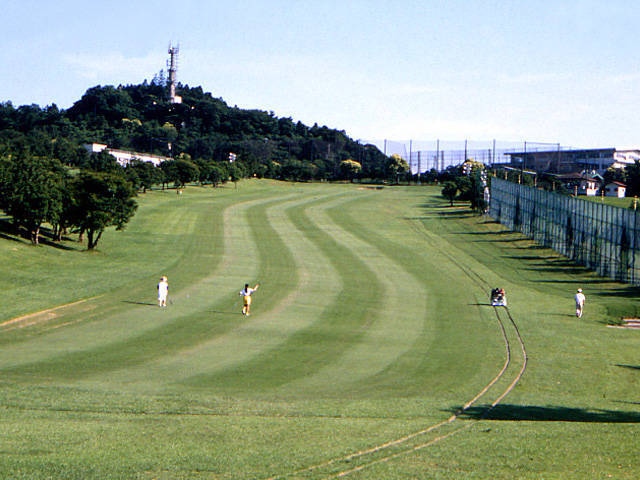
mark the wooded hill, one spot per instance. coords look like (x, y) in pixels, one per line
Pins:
(202, 129)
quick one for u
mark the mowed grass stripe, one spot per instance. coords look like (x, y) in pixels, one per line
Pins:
(130, 338)
(127, 281)
(302, 305)
(112, 317)
(254, 249)
(459, 347)
(339, 326)
(123, 262)
(400, 313)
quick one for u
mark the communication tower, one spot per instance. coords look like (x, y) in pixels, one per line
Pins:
(173, 70)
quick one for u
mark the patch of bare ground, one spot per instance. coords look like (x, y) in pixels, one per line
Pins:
(36, 318)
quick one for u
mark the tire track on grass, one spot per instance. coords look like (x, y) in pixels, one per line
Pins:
(414, 442)
(409, 444)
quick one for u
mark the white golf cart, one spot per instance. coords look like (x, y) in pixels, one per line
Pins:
(498, 297)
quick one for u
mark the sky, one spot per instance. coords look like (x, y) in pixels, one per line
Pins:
(553, 71)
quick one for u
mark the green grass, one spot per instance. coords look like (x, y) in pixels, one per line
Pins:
(370, 329)
(625, 202)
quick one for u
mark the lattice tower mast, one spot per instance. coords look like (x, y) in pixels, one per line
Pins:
(173, 71)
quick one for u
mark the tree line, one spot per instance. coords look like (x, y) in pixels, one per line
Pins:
(202, 129)
(48, 177)
(39, 190)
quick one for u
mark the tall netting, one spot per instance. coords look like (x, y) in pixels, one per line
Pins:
(600, 237)
(424, 155)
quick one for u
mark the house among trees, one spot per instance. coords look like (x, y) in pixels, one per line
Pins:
(615, 189)
(123, 157)
(584, 183)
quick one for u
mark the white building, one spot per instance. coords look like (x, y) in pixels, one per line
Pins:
(125, 156)
(588, 184)
(615, 189)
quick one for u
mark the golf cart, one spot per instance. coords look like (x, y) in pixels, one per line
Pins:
(498, 297)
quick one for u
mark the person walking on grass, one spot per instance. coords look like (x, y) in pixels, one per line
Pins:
(246, 293)
(163, 291)
(580, 299)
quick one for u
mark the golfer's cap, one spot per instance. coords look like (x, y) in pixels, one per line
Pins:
(579, 290)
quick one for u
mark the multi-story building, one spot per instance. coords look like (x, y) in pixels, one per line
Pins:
(570, 161)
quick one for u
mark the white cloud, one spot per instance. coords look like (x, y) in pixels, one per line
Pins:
(113, 67)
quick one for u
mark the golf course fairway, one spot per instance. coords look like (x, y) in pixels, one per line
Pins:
(371, 351)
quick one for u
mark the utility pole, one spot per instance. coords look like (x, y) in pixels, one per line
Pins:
(410, 156)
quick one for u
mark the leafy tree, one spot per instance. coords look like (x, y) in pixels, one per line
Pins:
(465, 187)
(471, 181)
(431, 176)
(170, 169)
(296, 170)
(186, 171)
(633, 179)
(350, 169)
(143, 175)
(479, 186)
(104, 162)
(33, 193)
(217, 174)
(450, 191)
(615, 175)
(235, 172)
(397, 167)
(102, 200)
(69, 212)
(5, 175)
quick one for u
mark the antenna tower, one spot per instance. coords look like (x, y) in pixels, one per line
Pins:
(173, 70)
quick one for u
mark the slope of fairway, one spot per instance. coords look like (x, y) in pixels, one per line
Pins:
(371, 350)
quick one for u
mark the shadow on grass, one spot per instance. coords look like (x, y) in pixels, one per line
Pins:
(532, 413)
(632, 367)
(626, 291)
(140, 303)
(498, 233)
(556, 314)
(8, 231)
(456, 212)
(573, 284)
(568, 270)
(529, 258)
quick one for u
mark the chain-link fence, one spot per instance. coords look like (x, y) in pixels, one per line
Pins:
(425, 155)
(600, 237)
